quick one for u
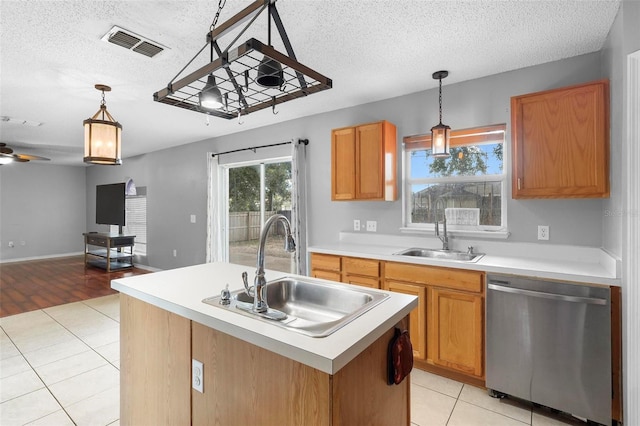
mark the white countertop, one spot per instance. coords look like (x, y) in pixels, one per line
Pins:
(585, 265)
(181, 291)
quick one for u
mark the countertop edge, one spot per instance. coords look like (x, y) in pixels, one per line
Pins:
(539, 268)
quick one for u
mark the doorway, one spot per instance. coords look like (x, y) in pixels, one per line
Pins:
(255, 191)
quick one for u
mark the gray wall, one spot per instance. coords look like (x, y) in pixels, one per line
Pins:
(43, 206)
(176, 178)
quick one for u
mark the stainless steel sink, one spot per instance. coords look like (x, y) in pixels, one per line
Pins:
(312, 307)
(459, 256)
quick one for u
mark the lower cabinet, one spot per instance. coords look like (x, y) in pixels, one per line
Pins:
(456, 329)
(417, 317)
(350, 270)
(447, 328)
(364, 272)
(326, 267)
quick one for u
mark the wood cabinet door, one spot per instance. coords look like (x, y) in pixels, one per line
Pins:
(369, 161)
(417, 317)
(560, 142)
(343, 164)
(456, 330)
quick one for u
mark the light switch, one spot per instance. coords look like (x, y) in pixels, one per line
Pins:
(193, 218)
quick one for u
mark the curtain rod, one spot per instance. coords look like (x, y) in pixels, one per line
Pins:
(304, 141)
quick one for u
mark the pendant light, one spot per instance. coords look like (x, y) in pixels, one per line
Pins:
(440, 133)
(270, 72)
(210, 98)
(102, 135)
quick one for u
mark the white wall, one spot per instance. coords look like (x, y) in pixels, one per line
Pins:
(43, 206)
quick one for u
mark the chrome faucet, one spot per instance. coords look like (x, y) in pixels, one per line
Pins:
(258, 291)
(445, 238)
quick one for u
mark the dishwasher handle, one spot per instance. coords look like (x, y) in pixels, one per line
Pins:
(544, 295)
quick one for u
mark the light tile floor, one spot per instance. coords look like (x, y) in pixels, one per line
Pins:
(60, 366)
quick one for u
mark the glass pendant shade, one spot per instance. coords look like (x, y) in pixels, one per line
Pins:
(440, 134)
(210, 97)
(102, 139)
(270, 73)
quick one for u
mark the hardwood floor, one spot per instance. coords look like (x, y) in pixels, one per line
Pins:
(37, 284)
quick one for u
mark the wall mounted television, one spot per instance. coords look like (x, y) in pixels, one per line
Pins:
(110, 204)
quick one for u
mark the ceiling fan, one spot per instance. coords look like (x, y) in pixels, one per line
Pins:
(7, 156)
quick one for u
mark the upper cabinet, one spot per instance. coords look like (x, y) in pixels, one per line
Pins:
(560, 142)
(363, 162)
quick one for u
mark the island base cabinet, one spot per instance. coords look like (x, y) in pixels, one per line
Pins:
(155, 365)
(245, 384)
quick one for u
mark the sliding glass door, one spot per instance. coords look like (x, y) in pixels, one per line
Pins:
(255, 192)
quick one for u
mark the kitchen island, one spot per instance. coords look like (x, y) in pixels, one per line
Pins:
(253, 371)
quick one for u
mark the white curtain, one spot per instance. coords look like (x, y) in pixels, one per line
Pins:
(214, 228)
(299, 204)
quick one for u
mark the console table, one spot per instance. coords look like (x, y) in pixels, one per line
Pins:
(108, 251)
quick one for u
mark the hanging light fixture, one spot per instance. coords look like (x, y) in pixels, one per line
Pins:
(249, 75)
(102, 135)
(440, 132)
(210, 98)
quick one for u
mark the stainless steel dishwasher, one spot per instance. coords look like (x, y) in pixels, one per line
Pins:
(550, 343)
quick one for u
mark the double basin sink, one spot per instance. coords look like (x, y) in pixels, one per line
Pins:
(317, 308)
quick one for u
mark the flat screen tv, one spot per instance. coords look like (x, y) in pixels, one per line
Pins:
(110, 204)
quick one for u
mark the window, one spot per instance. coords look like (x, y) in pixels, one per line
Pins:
(469, 185)
(254, 192)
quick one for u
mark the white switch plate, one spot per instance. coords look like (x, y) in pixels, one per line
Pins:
(197, 375)
(543, 232)
(372, 225)
(356, 224)
(193, 218)
(175, 252)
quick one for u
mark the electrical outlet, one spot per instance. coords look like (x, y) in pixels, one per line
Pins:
(371, 225)
(175, 252)
(543, 232)
(356, 224)
(197, 375)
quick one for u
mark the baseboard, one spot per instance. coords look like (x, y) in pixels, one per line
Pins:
(48, 256)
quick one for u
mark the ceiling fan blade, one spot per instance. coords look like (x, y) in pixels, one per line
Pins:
(27, 157)
(20, 160)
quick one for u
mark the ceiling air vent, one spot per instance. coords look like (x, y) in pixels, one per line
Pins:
(132, 41)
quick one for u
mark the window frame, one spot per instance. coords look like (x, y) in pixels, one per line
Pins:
(463, 137)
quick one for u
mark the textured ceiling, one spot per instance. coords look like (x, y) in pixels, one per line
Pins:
(51, 56)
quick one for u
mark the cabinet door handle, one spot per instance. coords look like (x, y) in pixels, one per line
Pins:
(519, 184)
